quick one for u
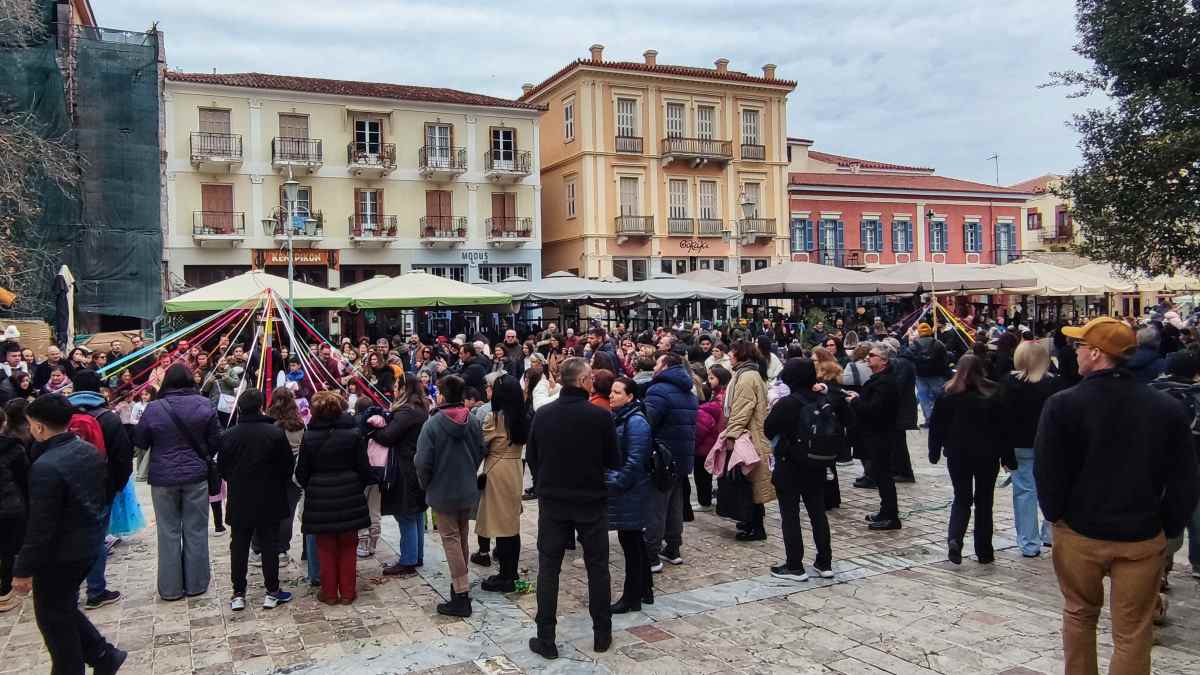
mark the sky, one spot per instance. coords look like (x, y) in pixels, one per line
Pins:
(941, 83)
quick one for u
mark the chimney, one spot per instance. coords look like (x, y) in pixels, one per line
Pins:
(769, 71)
(597, 53)
(722, 65)
(651, 57)
(527, 87)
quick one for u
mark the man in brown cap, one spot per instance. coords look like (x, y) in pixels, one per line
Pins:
(1116, 474)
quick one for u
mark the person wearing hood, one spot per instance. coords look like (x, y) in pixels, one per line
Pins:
(118, 450)
(1147, 363)
(671, 406)
(745, 412)
(449, 452)
(225, 391)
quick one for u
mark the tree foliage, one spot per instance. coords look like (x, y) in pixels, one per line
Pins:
(1136, 197)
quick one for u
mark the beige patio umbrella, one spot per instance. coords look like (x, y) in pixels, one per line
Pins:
(417, 289)
(249, 286)
(793, 278)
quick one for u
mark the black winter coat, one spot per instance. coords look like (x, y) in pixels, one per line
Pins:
(14, 478)
(969, 425)
(334, 472)
(875, 411)
(256, 462)
(571, 445)
(1023, 402)
(403, 495)
(906, 385)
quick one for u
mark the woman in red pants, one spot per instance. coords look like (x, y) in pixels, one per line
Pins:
(333, 470)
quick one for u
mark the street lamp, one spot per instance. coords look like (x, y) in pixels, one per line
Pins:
(747, 207)
(291, 192)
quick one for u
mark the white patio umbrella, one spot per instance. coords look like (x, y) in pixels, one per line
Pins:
(564, 286)
(1053, 280)
(802, 277)
(711, 278)
(927, 276)
(1157, 284)
(249, 286)
(666, 287)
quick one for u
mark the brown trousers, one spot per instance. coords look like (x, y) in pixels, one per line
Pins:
(1135, 568)
(455, 530)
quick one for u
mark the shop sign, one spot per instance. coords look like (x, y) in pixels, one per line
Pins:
(300, 256)
(475, 258)
(693, 245)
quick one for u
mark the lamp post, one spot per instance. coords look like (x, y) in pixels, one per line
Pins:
(291, 192)
(736, 235)
(932, 290)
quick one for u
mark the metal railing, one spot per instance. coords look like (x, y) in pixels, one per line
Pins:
(762, 227)
(629, 144)
(640, 225)
(681, 226)
(206, 145)
(303, 224)
(999, 256)
(373, 226)
(508, 161)
(697, 147)
(509, 227)
(711, 227)
(441, 158)
(292, 149)
(372, 154)
(752, 151)
(443, 227)
(218, 223)
(839, 257)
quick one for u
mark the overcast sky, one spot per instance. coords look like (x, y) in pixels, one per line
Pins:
(942, 83)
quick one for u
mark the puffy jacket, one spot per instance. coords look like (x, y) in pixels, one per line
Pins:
(710, 421)
(906, 383)
(118, 447)
(402, 494)
(14, 478)
(172, 459)
(256, 461)
(671, 410)
(1146, 365)
(629, 485)
(333, 470)
(1023, 402)
(67, 501)
(449, 451)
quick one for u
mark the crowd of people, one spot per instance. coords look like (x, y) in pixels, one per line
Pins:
(616, 429)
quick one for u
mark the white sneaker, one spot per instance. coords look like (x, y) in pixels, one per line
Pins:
(825, 574)
(364, 552)
(1196, 572)
(656, 567)
(238, 603)
(273, 600)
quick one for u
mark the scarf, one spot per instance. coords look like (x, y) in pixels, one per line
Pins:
(731, 390)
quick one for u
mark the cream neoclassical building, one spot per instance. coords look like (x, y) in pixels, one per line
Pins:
(644, 165)
(392, 178)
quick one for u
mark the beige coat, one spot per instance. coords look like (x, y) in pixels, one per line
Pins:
(500, 504)
(747, 413)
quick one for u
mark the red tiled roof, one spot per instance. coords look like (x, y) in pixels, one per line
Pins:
(1037, 186)
(317, 85)
(884, 181)
(843, 161)
(661, 69)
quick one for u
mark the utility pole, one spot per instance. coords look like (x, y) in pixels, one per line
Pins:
(996, 158)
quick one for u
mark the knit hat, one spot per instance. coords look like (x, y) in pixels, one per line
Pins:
(799, 374)
(86, 380)
(924, 329)
(1109, 335)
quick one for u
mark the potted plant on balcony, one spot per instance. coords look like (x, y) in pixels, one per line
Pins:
(461, 232)
(429, 230)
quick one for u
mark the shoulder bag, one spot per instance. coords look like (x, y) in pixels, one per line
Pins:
(213, 476)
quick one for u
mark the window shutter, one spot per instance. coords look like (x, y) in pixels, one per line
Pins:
(862, 234)
(510, 205)
(909, 243)
(841, 235)
(497, 206)
(446, 211)
(432, 204)
(811, 235)
(878, 235)
(357, 205)
(996, 235)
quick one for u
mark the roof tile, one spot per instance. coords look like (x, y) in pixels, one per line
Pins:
(661, 69)
(844, 161)
(1039, 185)
(897, 181)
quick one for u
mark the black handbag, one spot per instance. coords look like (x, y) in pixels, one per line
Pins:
(212, 474)
(735, 494)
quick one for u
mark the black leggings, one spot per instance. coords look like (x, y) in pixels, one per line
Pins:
(638, 580)
(218, 521)
(508, 549)
(6, 572)
(485, 545)
(704, 483)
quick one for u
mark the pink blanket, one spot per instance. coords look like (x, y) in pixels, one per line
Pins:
(744, 455)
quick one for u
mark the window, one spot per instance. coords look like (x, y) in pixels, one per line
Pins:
(199, 276)
(753, 194)
(504, 147)
(455, 272)
(750, 127)
(214, 121)
(802, 235)
(368, 136)
(570, 192)
(1005, 240)
(1062, 223)
(368, 207)
(678, 193)
(218, 217)
(437, 144)
(630, 269)
(708, 200)
(626, 117)
(902, 236)
(1033, 221)
(303, 205)
(832, 237)
(674, 120)
(496, 273)
(569, 120)
(504, 211)
(629, 196)
(439, 213)
(705, 115)
(972, 237)
(674, 266)
(751, 264)
(293, 126)
(717, 264)
(937, 236)
(872, 235)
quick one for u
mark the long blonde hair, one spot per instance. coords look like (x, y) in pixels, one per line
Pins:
(828, 369)
(1031, 361)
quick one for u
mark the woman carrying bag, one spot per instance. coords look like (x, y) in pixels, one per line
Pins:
(745, 413)
(505, 431)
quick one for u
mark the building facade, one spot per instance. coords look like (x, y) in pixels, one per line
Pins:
(857, 213)
(1048, 225)
(645, 167)
(392, 178)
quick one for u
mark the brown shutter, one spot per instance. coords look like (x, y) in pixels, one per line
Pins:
(432, 204)
(446, 210)
(497, 209)
(510, 206)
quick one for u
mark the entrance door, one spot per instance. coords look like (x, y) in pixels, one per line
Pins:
(217, 208)
(368, 138)
(437, 143)
(504, 148)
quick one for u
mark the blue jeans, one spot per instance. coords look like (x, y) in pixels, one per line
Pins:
(1025, 507)
(928, 389)
(96, 585)
(412, 538)
(314, 564)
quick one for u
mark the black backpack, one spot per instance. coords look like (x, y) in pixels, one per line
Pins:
(1188, 395)
(660, 463)
(820, 431)
(930, 361)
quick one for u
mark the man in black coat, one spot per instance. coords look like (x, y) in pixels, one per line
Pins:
(572, 444)
(68, 502)
(256, 462)
(875, 409)
(472, 367)
(906, 412)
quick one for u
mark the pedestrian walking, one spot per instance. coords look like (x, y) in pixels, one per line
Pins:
(629, 490)
(571, 446)
(401, 494)
(181, 435)
(450, 449)
(14, 500)
(964, 428)
(68, 502)
(1182, 382)
(256, 462)
(505, 433)
(745, 413)
(670, 406)
(332, 469)
(1108, 431)
(906, 412)
(932, 368)
(875, 415)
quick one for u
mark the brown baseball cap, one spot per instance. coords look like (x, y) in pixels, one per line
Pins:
(1109, 335)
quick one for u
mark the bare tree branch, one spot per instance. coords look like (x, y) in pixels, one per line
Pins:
(22, 22)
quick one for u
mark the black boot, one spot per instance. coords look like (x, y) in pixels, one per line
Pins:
(622, 606)
(459, 605)
(498, 583)
(544, 648)
(757, 534)
(601, 640)
(955, 552)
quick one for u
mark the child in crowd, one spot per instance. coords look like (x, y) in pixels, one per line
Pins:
(138, 403)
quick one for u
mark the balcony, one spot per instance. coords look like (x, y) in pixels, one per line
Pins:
(307, 228)
(841, 257)
(302, 153)
(631, 144)
(508, 231)
(214, 152)
(443, 231)
(1000, 256)
(681, 227)
(371, 160)
(369, 229)
(696, 151)
(629, 227)
(220, 228)
(1059, 235)
(507, 167)
(754, 229)
(711, 227)
(754, 152)
(439, 162)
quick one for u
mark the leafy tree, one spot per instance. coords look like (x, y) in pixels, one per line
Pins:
(1136, 197)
